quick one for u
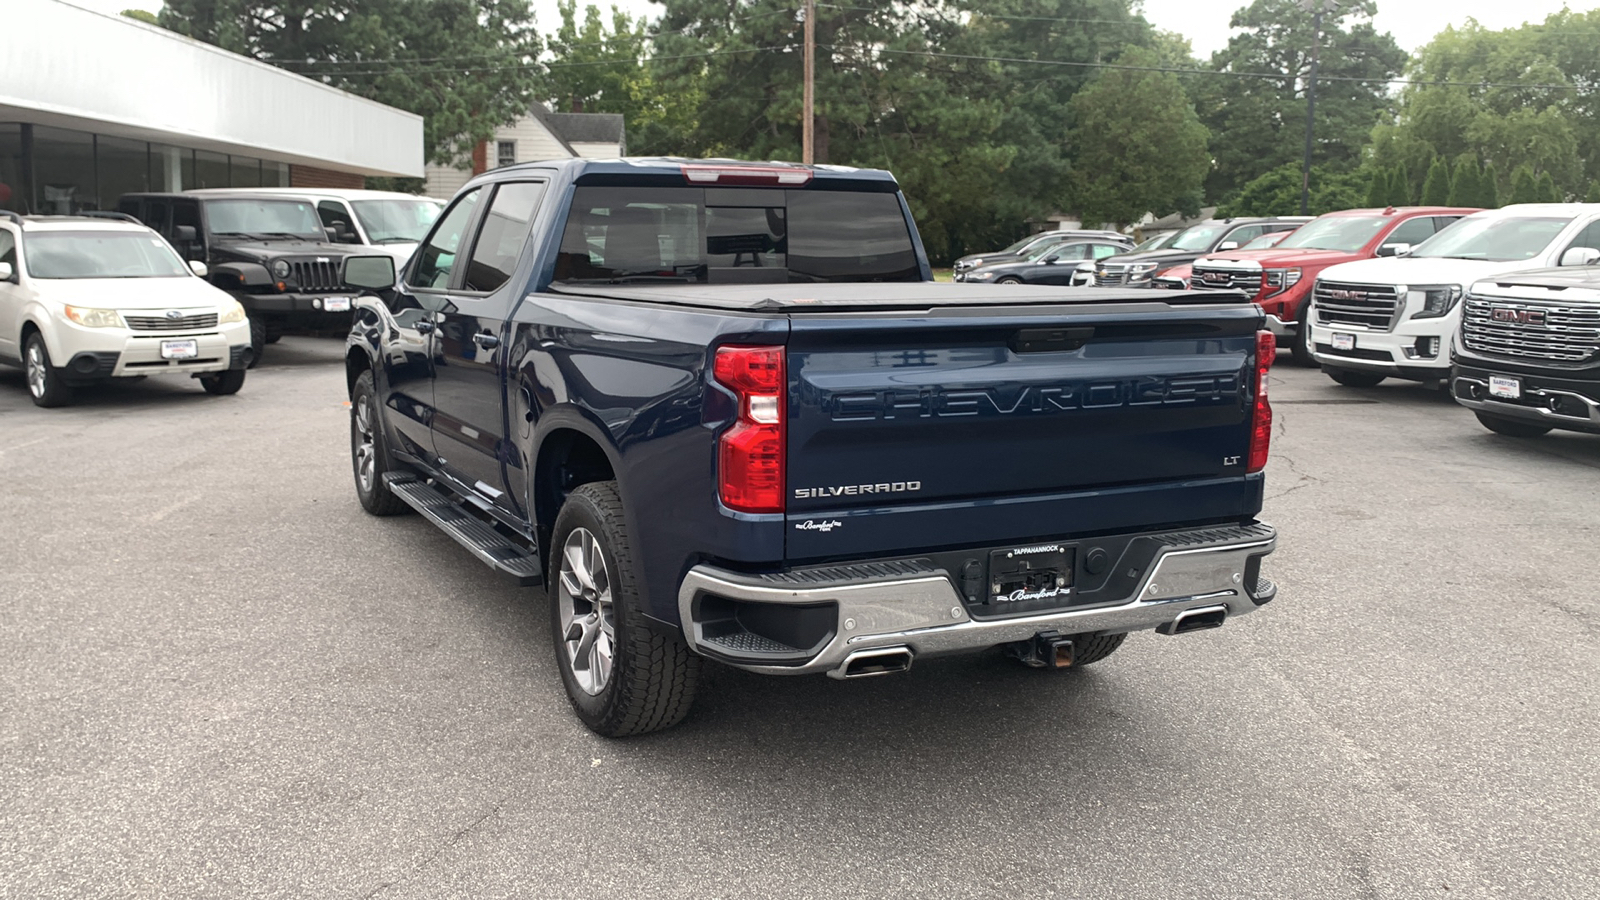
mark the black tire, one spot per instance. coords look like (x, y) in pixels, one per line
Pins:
(1355, 378)
(1009, 279)
(1088, 649)
(1300, 346)
(1511, 427)
(272, 337)
(258, 342)
(652, 676)
(369, 450)
(45, 384)
(221, 384)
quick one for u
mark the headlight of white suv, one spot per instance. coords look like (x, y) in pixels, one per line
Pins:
(230, 312)
(94, 318)
(1437, 299)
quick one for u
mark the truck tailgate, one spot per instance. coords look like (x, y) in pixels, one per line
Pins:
(954, 427)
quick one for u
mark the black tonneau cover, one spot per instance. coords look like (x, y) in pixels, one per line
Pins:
(836, 297)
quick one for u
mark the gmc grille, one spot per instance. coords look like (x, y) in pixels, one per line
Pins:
(1374, 306)
(1247, 281)
(1566, 334)
(162, 323)
(315, 275)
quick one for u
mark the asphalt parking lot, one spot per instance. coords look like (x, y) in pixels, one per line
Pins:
(219, 678)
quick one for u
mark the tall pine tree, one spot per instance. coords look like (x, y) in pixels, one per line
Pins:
(1489, 188)
(1465, 186)
(1546, 189)
(1524, 187)
(1378, 190)
(1594, 192)
(1436, 189)
(1400, 187)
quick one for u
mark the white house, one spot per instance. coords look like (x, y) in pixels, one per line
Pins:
(540, 135)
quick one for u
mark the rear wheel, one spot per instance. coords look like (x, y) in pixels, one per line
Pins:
(1009, 279)
(1511, 427)
(622, 677)
(369, 455)
(45, 384)
(1354, 378)
(222, 384)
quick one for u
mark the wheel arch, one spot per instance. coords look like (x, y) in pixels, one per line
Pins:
(34, 323)
(569, 454)
(356, 361)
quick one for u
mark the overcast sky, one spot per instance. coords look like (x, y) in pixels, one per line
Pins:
(1205, 22)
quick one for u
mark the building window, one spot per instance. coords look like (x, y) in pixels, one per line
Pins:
(13, 190)
(123, 167)
(63, 171)
(505, 153)
(210, 170)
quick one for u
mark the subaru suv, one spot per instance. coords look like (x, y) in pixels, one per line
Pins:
(85, 299)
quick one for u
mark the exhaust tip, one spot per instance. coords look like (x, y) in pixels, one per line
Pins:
(1196, 620)
(867, 663)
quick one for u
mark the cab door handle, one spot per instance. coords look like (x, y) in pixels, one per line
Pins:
(486, 340)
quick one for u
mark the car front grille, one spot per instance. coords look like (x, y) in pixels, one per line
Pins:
(162, 323)
(1206, 278)
(1531, 330)
(1373, 306)
(316, 275)
(1110, 276)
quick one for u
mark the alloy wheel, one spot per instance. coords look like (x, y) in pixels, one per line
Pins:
(366, 450)
(588, 624)
(37, 370)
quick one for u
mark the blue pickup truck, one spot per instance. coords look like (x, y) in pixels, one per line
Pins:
(720, 411)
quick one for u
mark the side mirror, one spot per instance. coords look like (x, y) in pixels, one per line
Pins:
(1394, 250)
(371, 273)
(184, 234)
(1050, 260)
(6, 272)
(1228, 245)
(198, 267)
(1580, 256)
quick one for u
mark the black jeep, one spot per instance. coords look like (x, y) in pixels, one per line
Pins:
(272, 253)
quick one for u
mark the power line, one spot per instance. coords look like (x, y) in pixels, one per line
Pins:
(608, 62)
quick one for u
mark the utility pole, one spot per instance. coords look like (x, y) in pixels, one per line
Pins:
(807, 113)
(1316, 6)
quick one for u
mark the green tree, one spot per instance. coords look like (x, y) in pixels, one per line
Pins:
(1489, 188)
(1277, 193)
(141, 15)
(1139, 146)
(604, 67)
(1378, 189)
(1594, 193)
(1546, 189)
(1465, 186)
(1399, 187)
(1259, 123)
(465, 66)
(1524, 187)
(1436, 189)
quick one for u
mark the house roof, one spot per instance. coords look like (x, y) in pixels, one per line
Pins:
(584, 128)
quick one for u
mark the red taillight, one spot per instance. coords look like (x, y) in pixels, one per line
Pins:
(1261, 418)
(750, 454)
(704, 174)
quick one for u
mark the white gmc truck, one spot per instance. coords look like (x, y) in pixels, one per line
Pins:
(1392, 317)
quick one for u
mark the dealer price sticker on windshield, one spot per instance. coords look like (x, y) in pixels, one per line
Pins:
(180, 349)
(1501, 386)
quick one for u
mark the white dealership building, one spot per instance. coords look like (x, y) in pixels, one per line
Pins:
(93, 106)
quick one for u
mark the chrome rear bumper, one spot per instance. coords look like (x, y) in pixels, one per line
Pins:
(923, 611)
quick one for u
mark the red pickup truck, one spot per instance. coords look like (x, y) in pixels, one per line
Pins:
(1280, 279)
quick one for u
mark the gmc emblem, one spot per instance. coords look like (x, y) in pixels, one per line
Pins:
(1214, 277)
(1517, 316)
(1347, 295)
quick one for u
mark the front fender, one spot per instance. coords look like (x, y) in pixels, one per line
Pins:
(38, 315)
(235, 275)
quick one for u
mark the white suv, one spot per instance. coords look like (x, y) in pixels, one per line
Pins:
(87, 298)
(1393, 317)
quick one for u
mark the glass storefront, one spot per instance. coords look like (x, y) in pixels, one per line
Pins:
(57, 171)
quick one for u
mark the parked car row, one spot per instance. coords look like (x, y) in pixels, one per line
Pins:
(196, 283)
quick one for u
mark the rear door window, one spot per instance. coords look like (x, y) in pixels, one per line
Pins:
(436, 258)
(501, 236)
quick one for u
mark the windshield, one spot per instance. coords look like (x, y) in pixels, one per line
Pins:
(1020, 244)
(1159, 242)
(101, 254)
(1197, 237)
(1492, 238)
(735, 235)
(264, 217)
(396, 221)
(1346, 234)
(1266, 240)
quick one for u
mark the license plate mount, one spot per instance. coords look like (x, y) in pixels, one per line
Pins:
(1034, 572)
(336, 304)
(1343, 341)
(180, 349)
(1505, 387)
